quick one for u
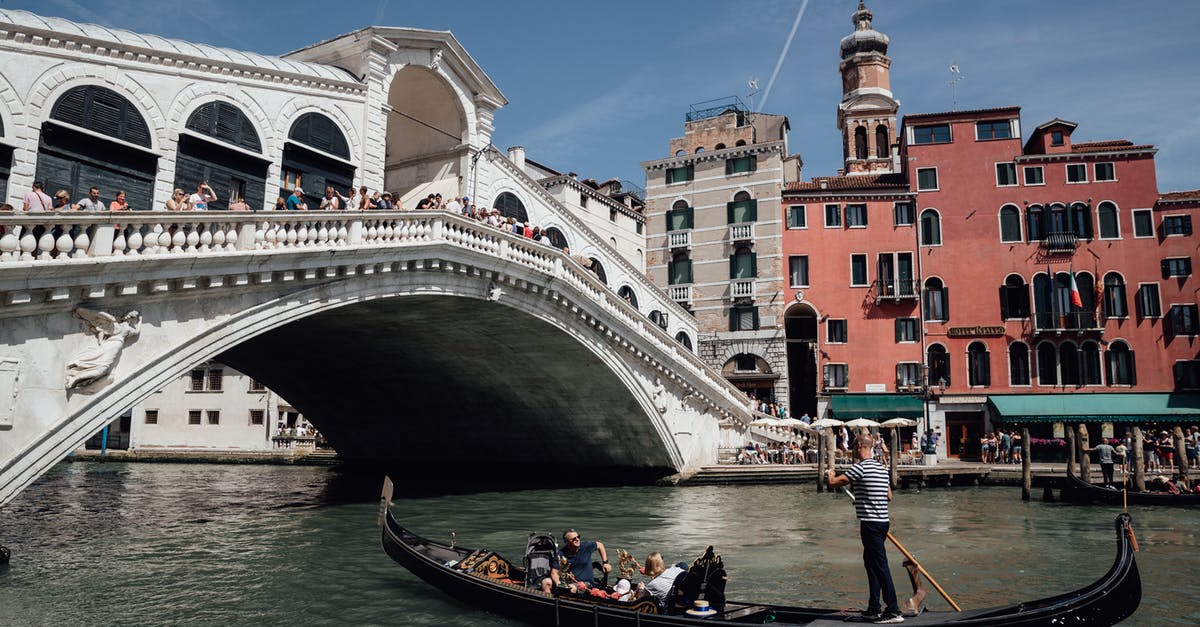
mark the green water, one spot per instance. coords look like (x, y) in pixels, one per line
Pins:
(153, 544)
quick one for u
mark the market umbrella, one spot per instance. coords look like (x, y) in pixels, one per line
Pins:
(826, 423)
(763, 422)
(795, 423)
(898, 422)
(858, 423)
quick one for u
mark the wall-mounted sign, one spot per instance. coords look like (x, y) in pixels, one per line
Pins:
(976, 331)
(1106, 430)
(1058, 431)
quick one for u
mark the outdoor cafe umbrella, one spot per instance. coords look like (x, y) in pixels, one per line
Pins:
(859, 423)
(765, 422)
(898, 422)
(795, 423)
(826, 423)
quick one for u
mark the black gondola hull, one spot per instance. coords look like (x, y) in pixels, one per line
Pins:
(1079, 491)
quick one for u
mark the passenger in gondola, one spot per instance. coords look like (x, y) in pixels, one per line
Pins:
(660, 578)
(579, 556)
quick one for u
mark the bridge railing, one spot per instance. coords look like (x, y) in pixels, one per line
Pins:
(54, 238)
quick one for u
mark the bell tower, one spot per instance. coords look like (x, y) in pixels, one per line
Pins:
(867, 113)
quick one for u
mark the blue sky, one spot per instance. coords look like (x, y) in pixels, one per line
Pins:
(597, 88)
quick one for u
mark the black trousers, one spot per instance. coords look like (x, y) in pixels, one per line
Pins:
(879, 576)
(1107, 471)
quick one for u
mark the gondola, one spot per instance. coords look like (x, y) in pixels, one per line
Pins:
(489, 582)
(1079, 491)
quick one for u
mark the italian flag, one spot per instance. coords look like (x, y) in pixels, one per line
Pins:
(1076, 299)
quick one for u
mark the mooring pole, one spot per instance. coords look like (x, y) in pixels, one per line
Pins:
(1181, 453)
(1070, 433)
(821, 453)
(1026, 465)
(103, 442)
(1085, 460)
(1138, 457)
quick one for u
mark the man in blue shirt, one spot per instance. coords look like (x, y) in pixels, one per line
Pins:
(579, 556)
(295, 202)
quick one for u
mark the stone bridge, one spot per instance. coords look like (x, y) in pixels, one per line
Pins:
(411, 339)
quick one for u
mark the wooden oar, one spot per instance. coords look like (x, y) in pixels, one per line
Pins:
(920, 568)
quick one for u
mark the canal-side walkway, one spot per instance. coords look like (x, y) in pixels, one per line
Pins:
(945, 473)
(295, 457)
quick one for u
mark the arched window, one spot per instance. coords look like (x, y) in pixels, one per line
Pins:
(938, 363)
(659, 318)
(102, 110)
(1114, 296)
(1014, 298)
(232, 174)
(935, 301)
(860, 142)
(318, 131)
(555, 237)
(883, 148)
(740, 142)
(1018, 364)
(931, 228)
(1035, 223)
(979, 370)
(225, 122)
(629, 295)
(598, 269)
(317, 153)
(1068, 360)
(1047, 364)
(699, 149)
(1089, 363)
(511, 207)
(1120, 365)
(683, 338)
(679, 270)
(680, 153)
(1057, 220)
(1110, 227)
(719, 147)
(1084, 317)
(1081, 220)
(1010, 223)
(1044, 317)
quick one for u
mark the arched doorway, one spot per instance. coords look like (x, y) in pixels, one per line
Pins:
(73, 155)
(511, 207)
(426, 137)
(205, 154)
(751, 374)
(316, 155)
(800, 327)
(597, 268)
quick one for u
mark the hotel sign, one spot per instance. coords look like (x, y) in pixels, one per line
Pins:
(976, 331)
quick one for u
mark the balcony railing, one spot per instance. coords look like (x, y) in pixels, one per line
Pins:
(742, 231)
(741, 288)
(1046, 322)
(895, 290)
(1060, 242)
(679, 239)
(681, 294)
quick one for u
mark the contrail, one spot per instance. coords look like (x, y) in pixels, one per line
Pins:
(383, 6)
(778, 64)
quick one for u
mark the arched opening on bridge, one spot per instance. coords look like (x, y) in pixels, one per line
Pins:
(6, 157)
(629, 295)
(683, 338)
(556, 238)
(75, 152)
(751, 374)
(511, 207)
(215, 147)
(800, 327)
(315, 156)
(426, 137)
(659, 318)
(597, 268)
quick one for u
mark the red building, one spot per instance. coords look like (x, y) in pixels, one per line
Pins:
(971, 277)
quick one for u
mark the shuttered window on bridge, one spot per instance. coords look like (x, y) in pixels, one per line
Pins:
(313, 142)
(70, 157)
(231, 173)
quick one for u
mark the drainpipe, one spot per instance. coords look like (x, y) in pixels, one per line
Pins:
(920, 289)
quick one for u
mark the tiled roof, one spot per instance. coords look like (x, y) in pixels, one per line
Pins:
(1108, 146)
(1193, 194)
(889, 182)
(968, 113)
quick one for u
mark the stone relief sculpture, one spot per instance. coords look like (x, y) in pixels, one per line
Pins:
(493, 291)
(94, 361)
(662, 399)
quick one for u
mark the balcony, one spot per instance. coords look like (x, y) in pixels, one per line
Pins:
(741, 232)
(679, 239)
(681, 294)
(1080, 322)
(1060, 242)
(893, 290)
(741, 288)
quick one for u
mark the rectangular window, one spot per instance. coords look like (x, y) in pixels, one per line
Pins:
(741, 165)
(1187, 375)
(1177, 225)
(993, 129)
(904, 214)
(798, 270)
(741, 211)
(836, 376)
(214, 416)
(1056, 138)
(797, 218)
(681, 174)
(927, 179)
(1076, 173)
(193, 416)
(833, 216)
(215, 377)
(1006, 174)
(640, 227)
(680, 219)
(743, 319)
(1143, 223)
(612, 215)
(906, 330)
(679, 271)
(743, 265)
(745, 362)
(151, 416)
(197, 382)
(835, 331)
(1176, 266)
(257, 386)
(1034, 175)
(290, 179)
(856, 216)
(858, 270)
(1149, 305)
(1105, 172)
(908, 374)
(932, 134)
(257, 416)
(1184, 320)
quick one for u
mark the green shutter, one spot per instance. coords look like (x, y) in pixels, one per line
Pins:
(730, 211)
(753, 265)
(733, 317)
(898, 325)
(752, 211)
(755, 312)
(733, 266)
(671, 273)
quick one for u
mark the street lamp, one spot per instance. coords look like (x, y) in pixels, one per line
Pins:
(474, 169)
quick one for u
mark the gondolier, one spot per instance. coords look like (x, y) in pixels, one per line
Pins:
(1105, 451)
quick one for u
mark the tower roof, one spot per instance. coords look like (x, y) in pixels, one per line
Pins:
(864, 38)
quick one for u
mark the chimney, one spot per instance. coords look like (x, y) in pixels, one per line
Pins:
(516, 154)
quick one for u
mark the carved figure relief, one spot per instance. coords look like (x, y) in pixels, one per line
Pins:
(95, 360)
(662, 400)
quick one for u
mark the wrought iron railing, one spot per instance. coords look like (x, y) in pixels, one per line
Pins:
(1045, 321)
(895, 290)
(1060, 241)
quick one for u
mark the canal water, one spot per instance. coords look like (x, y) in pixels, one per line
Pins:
(150, 544)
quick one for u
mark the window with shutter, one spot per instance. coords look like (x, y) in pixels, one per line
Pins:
(741, 211)
(103, 111)
(320, 132)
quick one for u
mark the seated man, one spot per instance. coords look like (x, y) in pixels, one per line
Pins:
(661, 579)
(579, 557)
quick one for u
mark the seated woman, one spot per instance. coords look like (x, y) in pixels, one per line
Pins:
(661, 579)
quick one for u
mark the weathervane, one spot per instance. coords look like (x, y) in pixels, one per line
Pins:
(955, 76)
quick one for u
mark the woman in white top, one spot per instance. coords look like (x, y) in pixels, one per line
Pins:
(661, 579)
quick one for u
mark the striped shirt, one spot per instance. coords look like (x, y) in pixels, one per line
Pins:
(870, 481)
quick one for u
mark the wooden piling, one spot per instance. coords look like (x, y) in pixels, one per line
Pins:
(1137, 460)
(1026, 466)
(821, 452)
(1181, 460)
(1070, 433)
(895, 457)
(1085, 459)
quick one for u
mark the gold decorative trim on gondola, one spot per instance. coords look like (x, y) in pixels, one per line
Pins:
(485, 564)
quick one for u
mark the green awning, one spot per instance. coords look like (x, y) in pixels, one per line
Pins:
(875, 406)
(1099, 407)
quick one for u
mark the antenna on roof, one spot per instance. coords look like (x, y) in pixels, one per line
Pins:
(955, 76)
(753, 90)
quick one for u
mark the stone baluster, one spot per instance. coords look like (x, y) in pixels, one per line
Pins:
(232, 231)
(216, 233)
(302, 235)
(204, 238)
(293, 236)
(80, 243)
(46, 243)
(10, 244)
(134, 240)
(119, 243)
(322, 233)
(176, 243)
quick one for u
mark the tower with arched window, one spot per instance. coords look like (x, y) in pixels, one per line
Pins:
(867, 113)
